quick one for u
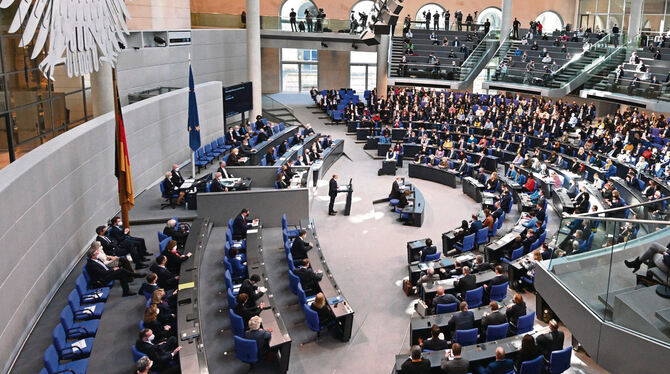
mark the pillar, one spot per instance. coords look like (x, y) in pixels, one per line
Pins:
(102, 90)
(635, 19)
(507, 19)
(334, 69)
(254, 54)
(383, 65)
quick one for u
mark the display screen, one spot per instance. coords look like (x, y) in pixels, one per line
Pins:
(237, 99)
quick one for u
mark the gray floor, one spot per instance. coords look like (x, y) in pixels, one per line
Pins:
(366, 252)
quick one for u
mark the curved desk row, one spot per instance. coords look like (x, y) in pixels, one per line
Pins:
(330, 155)
(192, 357)
(275, 140)
(415, 208)
(446, 177)
(296, 150)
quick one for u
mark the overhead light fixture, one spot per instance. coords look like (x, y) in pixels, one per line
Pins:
(354, 46)
(324, 45)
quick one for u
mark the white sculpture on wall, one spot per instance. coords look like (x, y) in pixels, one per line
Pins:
(81, 32)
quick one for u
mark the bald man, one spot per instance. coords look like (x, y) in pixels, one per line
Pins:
(501, 365)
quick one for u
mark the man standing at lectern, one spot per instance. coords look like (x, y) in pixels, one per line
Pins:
(332, 192)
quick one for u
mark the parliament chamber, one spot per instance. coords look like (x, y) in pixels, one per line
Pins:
(366, 186)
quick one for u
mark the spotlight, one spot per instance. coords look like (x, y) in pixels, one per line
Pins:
(354, 46)
(122, 46)
(324, 45)
(159, 40)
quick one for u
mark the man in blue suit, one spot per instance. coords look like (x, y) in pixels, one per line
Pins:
(501, 365)
(476, 224)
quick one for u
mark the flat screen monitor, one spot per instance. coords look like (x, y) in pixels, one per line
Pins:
(237, 99)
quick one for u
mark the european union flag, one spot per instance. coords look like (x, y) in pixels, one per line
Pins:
(193, 121)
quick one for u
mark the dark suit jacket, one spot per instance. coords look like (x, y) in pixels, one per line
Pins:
(177, 179)
(309, 279)
(495, 318)
(419, 367)
(498, 367)
(299, 249)
(179, 236)
(514, 312)
(498, 279)
(250, 289)
(262, 338)
(108, 245)
(240, 227)
(456, 366)
(99, 275)
(484, 266)
(156, 353)
(216, 186)
(466, 283)
(435, 344)
(224, 175)
(428, 251)
(461, 321)
(117, 234)
(395, 191)
(166, 279)
(551, 341)
(332, 187)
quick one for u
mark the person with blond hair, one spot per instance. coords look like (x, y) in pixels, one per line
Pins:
(322, 308)
(258, 334)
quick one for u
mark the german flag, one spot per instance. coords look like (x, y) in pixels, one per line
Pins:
(122, 163)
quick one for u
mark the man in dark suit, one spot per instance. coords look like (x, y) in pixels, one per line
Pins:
(241, 224)
(506, 200)
(161, 354)
(395, 189)
(415, 364)
(551, 341)
(176, 179)
(475, 225)
(223, 171)
(111, 248)
(309, 279)
(429, 249)
(466, 283)
(216, 185)
(443, 298)
(529, 240)
(463, 320)
(176, 234)
(249, 287)
(457, 365)
(480, 265)
(499, 278)
(501, 365)
(299, 248)
(332, 192)
(435, 342)
(540, 213)
(122, 236)
(581, 201)
(166, 279)
(497, 213)
(491, 319)
(101, 274)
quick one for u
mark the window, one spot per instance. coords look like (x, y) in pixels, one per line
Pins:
(299, 69)
(603, 14)
(299, 6)
(363, 71)
(493, 14)
(550, 21)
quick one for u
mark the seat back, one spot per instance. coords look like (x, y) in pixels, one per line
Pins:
(525, 323)
(66, 317)
(495, 228)
(469, 242)
(495, 332)
(232, 302)
(136, 354)
(499, 291)
(58, 338)
(230, 224)
(559, 361)
(293, 282)
(517, 253)
(73, 300)
(466, 337)
(81, 285)
(161, 236)
(246, 350)
(474, 297)
(482, 235)
(236, 324)
(229, 279)
(51, 360)
(312, 318)
(501, 220)
(284, 222)
(433, 257)
(163, 244)
(532, 366)
(446, 308)
(302, 296)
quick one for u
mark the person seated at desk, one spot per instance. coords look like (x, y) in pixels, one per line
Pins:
(235, 159)
(528, 220)
(436, 341)
(506, 200)
(249, 287)
(455, 365)
(288, 170)
(444, 163)
(270, 157)
(465, 283)
(656, 255)
(166, 279)
(581, 201)
(462, 167)
(551, 341)
(112, 261)
(480, 176)
(415, 364)
(174, 258)
(535, 196)
(162, 331)
(100, 274)
(309, 279)
(462, 320)
(530, 184)
(390, 154)
(429, 249)
(280, 182)
(480, 265)
(540, 212)
(597, 182)
(462, 231)
(166, 311)
(501, 365)
(475, 224)
(246, 308)
(497, 213)
(442, 298)
(488, 220)
(429, 276)
(259, 335)
(121, 235)
(492, 183)
(499, 278)
(173, 231)
(162, 355)
(515, 310)
(307, 158)
(175, 176)
(262, 136)
(395, 188)
(241, 224)
(529, 351)
(322, 309)
(299, 248)
(492, 318)
(404, 199)
(239, 266)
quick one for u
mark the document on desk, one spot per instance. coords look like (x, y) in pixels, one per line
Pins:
(184, 286)
(187, 184)
(252, 231)
(422, 266)
(335, 300)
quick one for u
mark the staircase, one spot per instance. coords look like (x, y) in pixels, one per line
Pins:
(574, 68)
(602, 76)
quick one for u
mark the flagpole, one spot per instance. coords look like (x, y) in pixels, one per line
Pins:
(192, 151)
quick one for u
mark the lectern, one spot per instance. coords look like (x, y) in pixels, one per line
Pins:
(348, 190)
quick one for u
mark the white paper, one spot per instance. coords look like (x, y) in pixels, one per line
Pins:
(81, 344)
(90, 308)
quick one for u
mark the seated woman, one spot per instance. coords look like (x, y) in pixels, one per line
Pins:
(492, 183)
(174, 258)
(529, 351)
(261, 336)
(281, 181)
(439, 153)
(234, 158)
(239, 267)
(390, 155)
(462, 231)
(511, 173)
(246, 308)
(270, 158)
(166, 310)
(321, 308)
(161, 331)
(403, 200)
(514, 311)
(656, 255)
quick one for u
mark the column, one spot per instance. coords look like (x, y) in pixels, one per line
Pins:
(334, 69)
(507, 19)
(383, 65)
(254, 54)
(635, 19)
(102, 90)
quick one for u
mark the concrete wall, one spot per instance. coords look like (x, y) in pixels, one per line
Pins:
(270, 70)
(333, 69)
(216, 55)
(54, 196)
(159, 14)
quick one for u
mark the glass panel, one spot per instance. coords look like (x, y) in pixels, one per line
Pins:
(603, 6)
(654, 6)
(31, 121)
(3, 104)
(372, 77)
(652, 23)
(293, 54)
(64, 84)
(357, 78)
(18, 58)
(587, 6)
(89, 105)
(27, 87)
(614, 19)
(67, 108)
(616, 6)
(289, 77)
(365, 6)
(363, 57)
(309, 77)
(600, 21)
